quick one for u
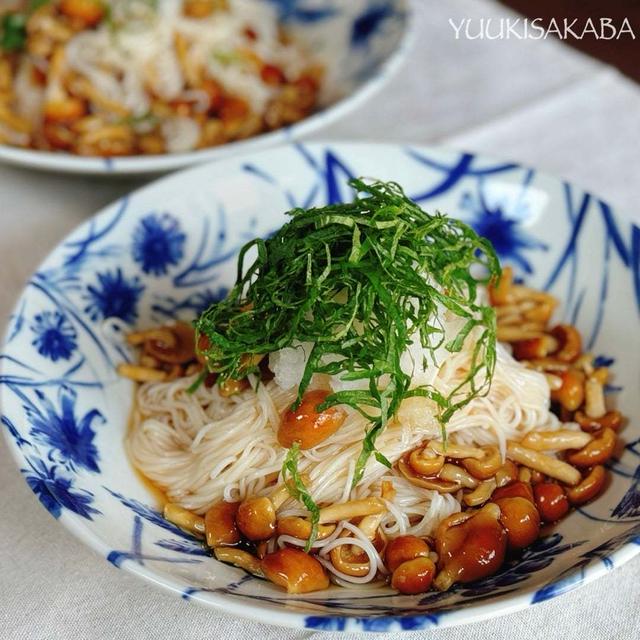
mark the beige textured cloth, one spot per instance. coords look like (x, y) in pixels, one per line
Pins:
(535, 102)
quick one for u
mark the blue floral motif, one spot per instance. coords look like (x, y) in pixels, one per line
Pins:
(376, 624)
(70, 437)
(55, 337)
(56, 492)
(114, 296)
(326, 623)
(370, 21)
(158, 243)
(502, 229)
(574, 575)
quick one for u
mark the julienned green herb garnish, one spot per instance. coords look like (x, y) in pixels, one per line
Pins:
(358, 280)
(297, 489)
(13, 32)
(13, 27)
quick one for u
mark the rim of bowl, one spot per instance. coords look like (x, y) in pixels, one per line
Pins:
(142, 164)
(505, 604)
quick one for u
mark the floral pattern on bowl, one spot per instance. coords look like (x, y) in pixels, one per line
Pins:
(168, 250)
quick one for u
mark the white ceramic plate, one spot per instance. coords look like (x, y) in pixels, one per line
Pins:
(361, 43)
(168, 250)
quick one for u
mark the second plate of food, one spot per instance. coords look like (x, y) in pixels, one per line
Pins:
(376, 426)
(138, 87)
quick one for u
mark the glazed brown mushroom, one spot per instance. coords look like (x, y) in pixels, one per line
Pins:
(434, 484)
(486, 466)
(548, 465)
(231, 386)
(516, 489)
(470, 546)
(590, 486)
(402, 549)
(239, 558)
(220, 524)
(345, 560)
(301, 528)
(86, 13)
(571, 392)
(201, 8)
(559, 440)
(139, 373)
(351, 509)
(306, 425)
(569, 342)
(499, 291)
(597, 451)
(414, 576)
(179, 351)
(455, 450)
(521, 520)
(594, 405)
(163, 335)
(426, 462)
(611, 419)
(507, 473)
(539, 347)
(184, 519)
(480, 494)
(295, 570)
(454, 473)
(256, 518)
(551, 501)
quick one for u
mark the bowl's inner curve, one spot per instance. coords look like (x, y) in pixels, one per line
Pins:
(168, 250)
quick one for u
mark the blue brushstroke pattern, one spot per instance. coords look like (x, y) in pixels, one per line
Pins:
(69, 437)
(56, 492)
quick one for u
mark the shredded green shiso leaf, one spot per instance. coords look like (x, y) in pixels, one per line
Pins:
(13, 27)
(298, 490)
(358, 280)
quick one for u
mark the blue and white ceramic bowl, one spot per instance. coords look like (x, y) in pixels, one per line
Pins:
(361, 43)
(168, 250)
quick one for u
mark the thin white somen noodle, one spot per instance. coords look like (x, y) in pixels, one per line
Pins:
(132, 60)
(358, 540)
(283, 540)
(202, 447)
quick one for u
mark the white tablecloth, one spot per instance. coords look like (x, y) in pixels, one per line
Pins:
(537, 102)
